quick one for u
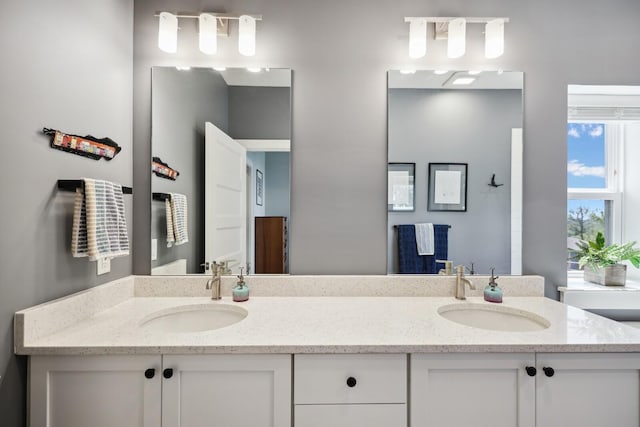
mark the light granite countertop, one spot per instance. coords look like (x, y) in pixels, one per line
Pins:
(107, 319)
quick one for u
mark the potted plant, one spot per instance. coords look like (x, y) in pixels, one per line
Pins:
(602, 263)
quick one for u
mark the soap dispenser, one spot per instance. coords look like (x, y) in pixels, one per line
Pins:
(240, 291)
(493, 292)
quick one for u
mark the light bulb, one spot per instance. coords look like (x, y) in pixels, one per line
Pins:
(417, 38)
(247, 35)
(494, 38)
(168, 32)
(208, 37)
(457, 36)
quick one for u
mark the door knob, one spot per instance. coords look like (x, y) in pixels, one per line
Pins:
(548, 371)
(531, 371)
(150, 373)
(351, 382)
(167, 373)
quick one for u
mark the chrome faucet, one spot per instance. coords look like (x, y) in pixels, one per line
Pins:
(460, 282)
(216, 279)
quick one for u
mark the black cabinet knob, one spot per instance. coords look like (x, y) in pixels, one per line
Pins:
(167, 373)
(548, 371)
(150, 373)
(351, 382)
(531, 371)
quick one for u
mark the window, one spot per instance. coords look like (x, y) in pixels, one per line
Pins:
(594, 196)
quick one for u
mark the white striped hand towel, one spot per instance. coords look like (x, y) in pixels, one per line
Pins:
(171, 238)
(424, 239)
(177, 223)
(99, 223)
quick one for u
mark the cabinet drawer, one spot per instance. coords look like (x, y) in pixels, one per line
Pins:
(394, 415)
(350, 378)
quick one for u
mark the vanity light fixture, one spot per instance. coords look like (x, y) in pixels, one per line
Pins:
(456, 44)
(208, 33)
(454, 30)
(168, 32)
(211, 25)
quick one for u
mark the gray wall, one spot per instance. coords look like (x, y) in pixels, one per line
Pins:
(339, 65)
(182, 102)
(277, 184)
(259, 112)
(66, 65)
(459, 126)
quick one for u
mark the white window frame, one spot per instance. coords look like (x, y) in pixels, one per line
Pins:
(614, 153)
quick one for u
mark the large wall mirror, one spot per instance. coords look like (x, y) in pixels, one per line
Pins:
(455, 161)
(227, 133)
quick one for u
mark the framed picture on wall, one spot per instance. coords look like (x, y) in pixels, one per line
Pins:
(400, 187)
(259, 187)
(447, 187)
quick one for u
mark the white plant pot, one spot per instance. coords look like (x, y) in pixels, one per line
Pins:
(612, 275)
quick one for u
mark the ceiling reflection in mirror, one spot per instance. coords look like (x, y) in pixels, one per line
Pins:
(227, 134)
(468, 126)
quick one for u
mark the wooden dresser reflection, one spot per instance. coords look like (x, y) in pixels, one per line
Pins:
(271, 245)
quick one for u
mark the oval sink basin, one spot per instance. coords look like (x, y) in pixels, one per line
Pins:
(194, 318)
(494, 317)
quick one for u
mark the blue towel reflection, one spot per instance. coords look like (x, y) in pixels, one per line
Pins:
(409, 262)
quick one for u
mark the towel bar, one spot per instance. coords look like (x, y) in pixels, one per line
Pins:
(161, 196)
(395, 226)
(72, 184)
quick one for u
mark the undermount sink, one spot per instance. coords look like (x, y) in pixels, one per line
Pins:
(493, 317)
(194, 318)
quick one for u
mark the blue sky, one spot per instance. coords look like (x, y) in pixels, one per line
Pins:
(585, 160)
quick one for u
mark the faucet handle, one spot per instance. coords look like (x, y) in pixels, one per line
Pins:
(448, 266)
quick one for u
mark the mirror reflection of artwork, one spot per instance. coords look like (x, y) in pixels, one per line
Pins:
(447, 187)
(400, 193)
(259, 187)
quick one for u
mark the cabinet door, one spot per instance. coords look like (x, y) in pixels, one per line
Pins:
(227, 391)
(461, 390)
(96, 391)
(351, 415)
(588, 390)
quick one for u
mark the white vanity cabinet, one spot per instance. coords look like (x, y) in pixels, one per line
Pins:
(149, 391)
(588, 389)
(526, 390)
(350, 390)
(96, 391)
(226, 390)
(461, 390)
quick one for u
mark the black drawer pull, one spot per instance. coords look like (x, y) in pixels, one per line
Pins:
(150, 373)
(531, 371)
(167, 373)
(351, 382)
(548, 371)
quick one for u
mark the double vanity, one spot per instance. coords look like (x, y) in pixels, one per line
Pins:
(325, 350)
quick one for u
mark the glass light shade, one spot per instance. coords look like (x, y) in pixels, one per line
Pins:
(247, 36)
(457, 36)
(417, 38)
(208, 37)
(168, 32)
(494, 38)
